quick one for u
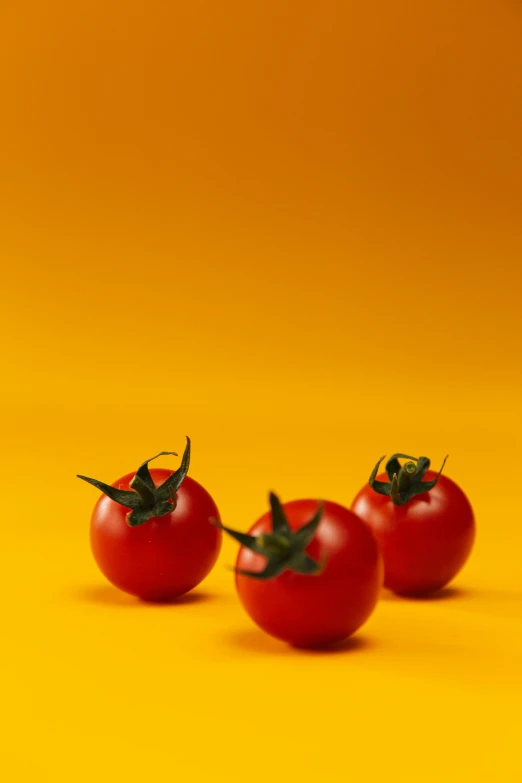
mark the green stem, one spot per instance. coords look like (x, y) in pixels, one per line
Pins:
(275, 543)
(405, 476)
(283, 548)
(394, 491)
(404, 481)
(146, 495)
(143, 498)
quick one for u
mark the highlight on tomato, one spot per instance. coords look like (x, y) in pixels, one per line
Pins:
(151, 531)
(423, 522)
(308, 573)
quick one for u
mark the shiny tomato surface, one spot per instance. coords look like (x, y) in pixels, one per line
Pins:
(425, 542)
(319, 609)
(164, 557)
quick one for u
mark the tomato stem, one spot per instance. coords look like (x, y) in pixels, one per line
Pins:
(144, 499)
(284, 549)
(146, 494)
(274, 542)
(405, 476)
(405, 481)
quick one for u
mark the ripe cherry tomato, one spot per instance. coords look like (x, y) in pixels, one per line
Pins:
(308, 574)
(423, 522)
(151, 532)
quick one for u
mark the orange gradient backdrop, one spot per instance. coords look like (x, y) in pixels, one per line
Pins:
(292, 231)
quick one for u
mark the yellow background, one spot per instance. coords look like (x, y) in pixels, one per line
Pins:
(291, 230)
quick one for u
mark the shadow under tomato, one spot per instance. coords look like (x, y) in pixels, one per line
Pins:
(254, 640)
(446, 594)
(111, 596)
(351, 645)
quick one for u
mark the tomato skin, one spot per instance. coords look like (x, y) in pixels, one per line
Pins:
(321, 609)
(424, 543)
(166, 556)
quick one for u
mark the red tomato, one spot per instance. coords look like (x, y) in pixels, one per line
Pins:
(424, 542)
(305, 608)
(165, 556)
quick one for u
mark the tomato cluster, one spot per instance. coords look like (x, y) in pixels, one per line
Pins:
(307, 572)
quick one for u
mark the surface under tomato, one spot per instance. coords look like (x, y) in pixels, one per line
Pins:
(319, 609)
(166, 556)
(425, 542)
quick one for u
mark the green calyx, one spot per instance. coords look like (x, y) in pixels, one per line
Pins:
(145, 500)
(405, 481)
(283, 548)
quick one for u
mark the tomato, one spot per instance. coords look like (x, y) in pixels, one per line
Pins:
(161, 543)
(308, 574)
(423, 522)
